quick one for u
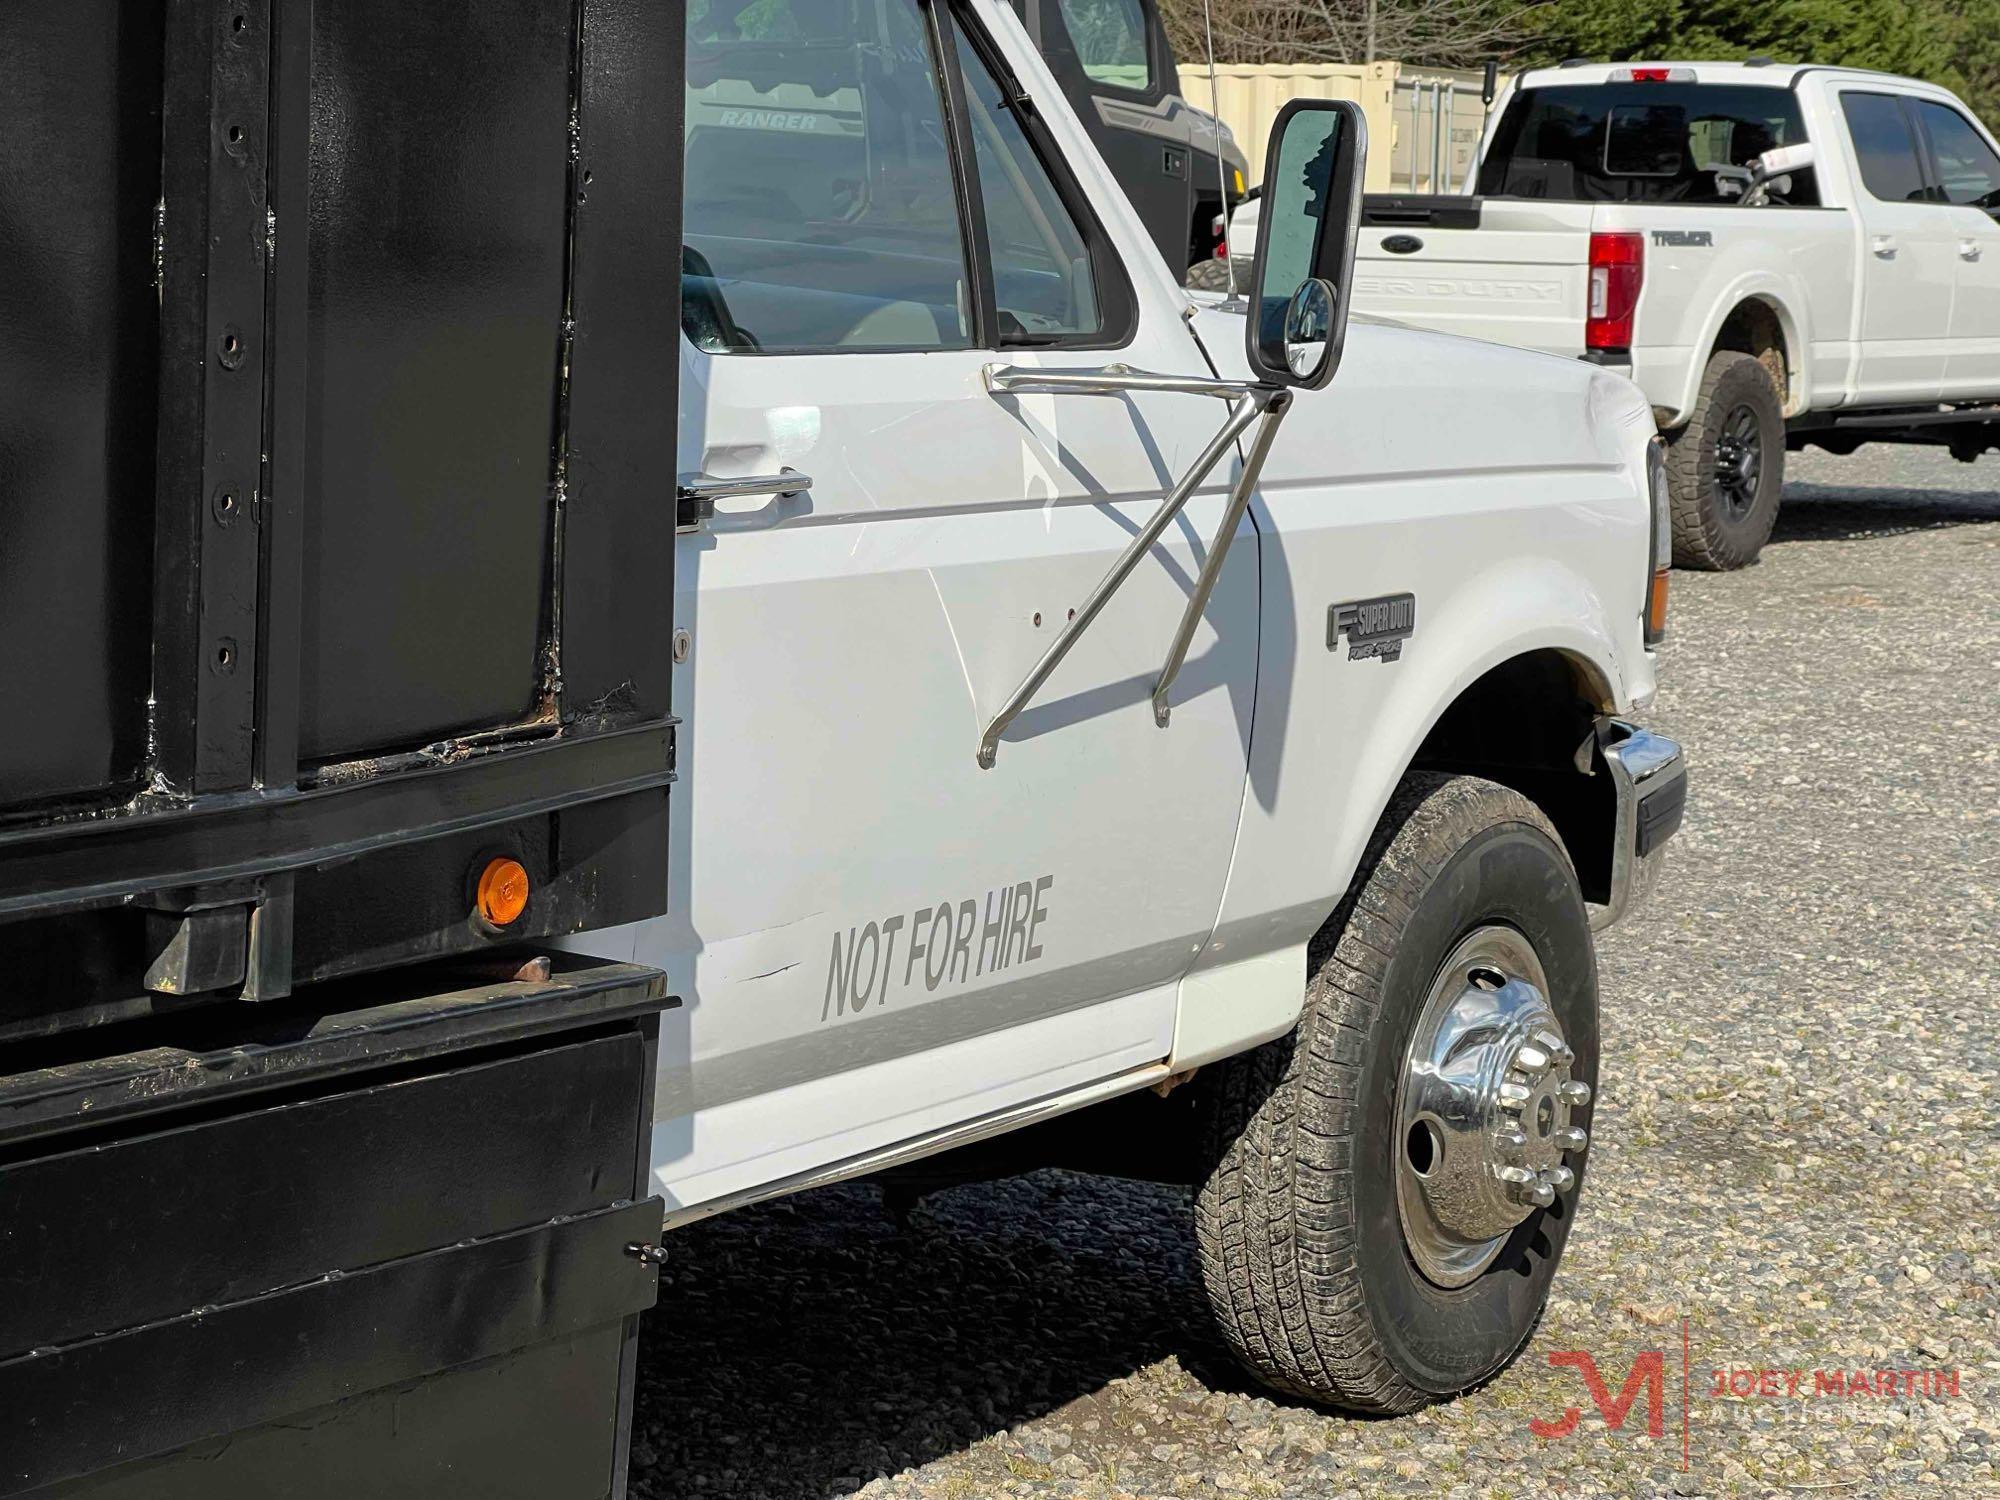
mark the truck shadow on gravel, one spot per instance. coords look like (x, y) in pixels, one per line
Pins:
(1820, 512)
(805, 1347)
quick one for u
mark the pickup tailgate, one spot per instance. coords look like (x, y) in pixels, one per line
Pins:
(1520, 277)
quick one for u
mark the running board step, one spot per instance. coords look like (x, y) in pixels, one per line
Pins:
(1921, 418)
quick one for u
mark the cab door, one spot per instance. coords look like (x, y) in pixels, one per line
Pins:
(1909, 256)
(1965, 177)
(876, 937)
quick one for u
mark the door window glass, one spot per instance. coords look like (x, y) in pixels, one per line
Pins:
(1043, 284)
(1890, 168)
(1968, 170)
(1110, 38)
(820, 210)
(1642, 143)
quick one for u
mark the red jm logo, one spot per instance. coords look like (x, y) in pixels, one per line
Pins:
(1648, 1370)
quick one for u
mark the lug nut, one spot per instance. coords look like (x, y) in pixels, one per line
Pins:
(1571, 1138)
(1575, 1093)
(1559, 1179)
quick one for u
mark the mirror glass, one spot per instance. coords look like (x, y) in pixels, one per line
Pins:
(1309, 327)
(1301, 191)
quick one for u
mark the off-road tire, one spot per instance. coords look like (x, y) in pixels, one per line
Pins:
(1210, 275)
(1301, 1247)
(1708, 533)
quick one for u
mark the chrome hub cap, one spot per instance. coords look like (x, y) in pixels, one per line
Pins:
(1483, 1107)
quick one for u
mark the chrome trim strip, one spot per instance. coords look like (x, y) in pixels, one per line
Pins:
(963, 1134)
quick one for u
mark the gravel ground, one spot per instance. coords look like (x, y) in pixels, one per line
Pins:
(1796, 1157)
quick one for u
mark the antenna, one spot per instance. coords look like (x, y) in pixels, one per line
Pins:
(1215, 137)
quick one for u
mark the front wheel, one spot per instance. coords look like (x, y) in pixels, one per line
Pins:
(1726, 468)
(1391, 1186)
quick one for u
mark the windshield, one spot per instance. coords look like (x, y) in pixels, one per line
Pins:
(1643, 143)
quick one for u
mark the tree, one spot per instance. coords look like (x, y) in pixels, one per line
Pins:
(1442, 33)
(1953, 42)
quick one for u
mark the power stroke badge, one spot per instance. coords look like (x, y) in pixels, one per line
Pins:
(1374, 627)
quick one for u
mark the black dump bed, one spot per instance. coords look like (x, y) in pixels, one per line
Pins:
(338, 348)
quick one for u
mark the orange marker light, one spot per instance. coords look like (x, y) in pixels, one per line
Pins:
(503, 892)
(1656, 608)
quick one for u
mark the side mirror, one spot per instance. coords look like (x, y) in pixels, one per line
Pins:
(1309, 218)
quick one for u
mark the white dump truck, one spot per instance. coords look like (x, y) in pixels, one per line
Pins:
(1096, 716)
(1030, 714)
(1776, 254)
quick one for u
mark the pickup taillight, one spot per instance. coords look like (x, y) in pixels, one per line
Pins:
(1617, 272)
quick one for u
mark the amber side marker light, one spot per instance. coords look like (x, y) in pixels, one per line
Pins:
(503, 891)
(1660, 560)
(1656, 607)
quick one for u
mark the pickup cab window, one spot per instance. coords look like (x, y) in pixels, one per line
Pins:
(1968, 170)
(1642, 143)
(1886, 147)
(820, 208)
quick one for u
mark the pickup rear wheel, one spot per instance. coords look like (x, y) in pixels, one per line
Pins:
(1726, 468)
(1391, 1186)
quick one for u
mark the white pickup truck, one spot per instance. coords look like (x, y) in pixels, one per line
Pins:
(1773, 253)
(1072, 741)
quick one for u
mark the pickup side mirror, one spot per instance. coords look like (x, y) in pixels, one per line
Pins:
(1306, 231)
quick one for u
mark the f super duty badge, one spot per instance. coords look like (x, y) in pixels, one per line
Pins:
(1373, 627)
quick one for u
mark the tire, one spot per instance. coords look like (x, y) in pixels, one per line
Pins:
(1208, 276)
(1303, 1248)
(1738, 420)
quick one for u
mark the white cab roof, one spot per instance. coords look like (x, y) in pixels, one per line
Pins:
(1771, 75)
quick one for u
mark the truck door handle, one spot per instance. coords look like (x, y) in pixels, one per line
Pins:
(1969, 250)
(696, 494)
(1885, 246)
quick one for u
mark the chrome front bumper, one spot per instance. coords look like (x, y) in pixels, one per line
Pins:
(1649, 774)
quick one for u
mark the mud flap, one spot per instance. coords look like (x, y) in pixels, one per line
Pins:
(377, 1243)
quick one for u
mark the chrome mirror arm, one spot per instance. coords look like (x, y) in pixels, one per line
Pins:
(1273, 411)
(1250, 401)
(1112, 380)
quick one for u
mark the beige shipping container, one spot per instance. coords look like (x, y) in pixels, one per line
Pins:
(1424, 124)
